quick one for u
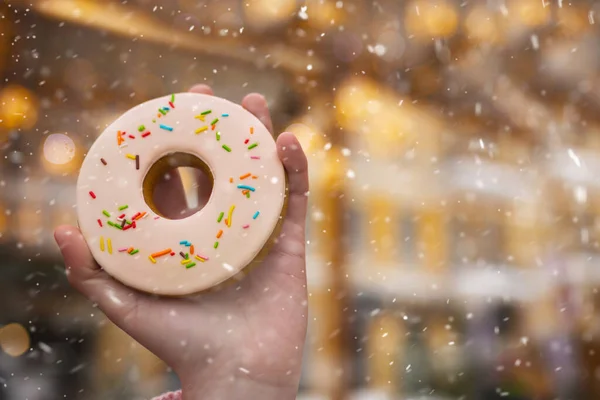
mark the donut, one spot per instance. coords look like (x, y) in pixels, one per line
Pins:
(133, 241)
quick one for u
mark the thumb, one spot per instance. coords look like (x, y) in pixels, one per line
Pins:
(119, 303)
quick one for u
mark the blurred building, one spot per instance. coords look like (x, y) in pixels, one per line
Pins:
(454, 220)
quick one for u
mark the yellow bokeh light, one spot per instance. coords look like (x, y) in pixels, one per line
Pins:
(482, 26)
(14, 340)
(59, 154)
(308, 137)
(266, 13)
(18, 108)
(431, 18)
(530, 12)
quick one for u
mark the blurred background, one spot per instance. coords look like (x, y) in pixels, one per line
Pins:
(454, 225)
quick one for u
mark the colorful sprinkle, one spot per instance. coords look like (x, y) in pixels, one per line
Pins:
(248, 175)
(246, 141)
(220, 217)
(172, 97)
(248, 194)
(255, 157)
(256, 215)
(227, 148)
(166, 109)
(134, 252)
(146, 134)
(162, 253)
(109, 245)
(213, 127)
(253, 145)
(125, 207)
(192, 265)
(218, 135)
(162, 112)
(220, 234)
(183, 242)
(106, 213)
(137, 162)
(200, 117)
(100, 223)
(215, 121)
(166, 127)
(152, 259)
(230, 180)
(252, 130)
(141, 128)
(123, 250)
(103, 161)
(93, 195)
(192, 250)
(224, 115)
(130, 156)
(200, 130)
(171, 104)
(216, 245)
(250, 188)
(254, 177)
(114, 225)
(172, 253)
(246, 226)
(183, 262)
(206, 112)
(182, 254)
(101, 243)
(131, 137)
(201, 259)
(230, 215)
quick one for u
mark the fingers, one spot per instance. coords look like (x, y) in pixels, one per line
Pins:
(257, 105)
(114, 299)
(202, 89)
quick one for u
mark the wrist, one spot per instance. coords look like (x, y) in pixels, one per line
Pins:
(235, 387)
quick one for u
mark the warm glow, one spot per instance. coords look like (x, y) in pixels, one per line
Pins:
(265, 13)
(14, 340)
(530, 12)
(431, 18)
(59, 154)
(18, 108)
(482, 26)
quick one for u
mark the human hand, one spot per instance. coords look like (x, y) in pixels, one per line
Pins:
(243, 340)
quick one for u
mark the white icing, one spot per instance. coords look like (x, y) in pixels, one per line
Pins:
(237, 246)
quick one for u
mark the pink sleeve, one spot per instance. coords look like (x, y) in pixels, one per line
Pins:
(170, 396)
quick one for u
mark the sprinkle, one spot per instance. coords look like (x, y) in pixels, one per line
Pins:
(128, 227)
(155, 218)
(227, 148)
(215, 121)
(248, 175)
(146, 134)
(246, 141)
(109, 244)
(218, 134)
(183, 242)
(252, 146)
(188, 244)
(106, 213)
(172, 253)
(183, 262)
(206, 112)
(114, 225)
(171, 104)
(123, 250)
(200, 117)
(162, 253)
(103, 161)
(216, 245)
(124, 145)
(230, 180)
(200, 130)
(119, 138)
(152, 259)
(123, 223)
(226, 223)
(172, 97)
(248, 194)
(137, 162)
(192, 265)
(134, 252)
(255, 157)
(144, 215)
(250, 188)
(213, 127)
(200, 259)
(100, 223)
(93, 195)
(245, 192)
(154, 121)
(125, 207)
(252, 130)
(101, 243)
(166, 127)
(246, 226)
(182, 254)
(220, 217)
(224, 115)
(141, 128)
(121, 217)
(136, 216)
(162, 112)
(220, 234)
(256, 215)
(131, 137)
(254, 177)
(130, 156)
(230, 215)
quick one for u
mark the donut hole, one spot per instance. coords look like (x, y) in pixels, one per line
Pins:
(178, 185)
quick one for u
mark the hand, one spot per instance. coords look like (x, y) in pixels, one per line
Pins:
(244, 340)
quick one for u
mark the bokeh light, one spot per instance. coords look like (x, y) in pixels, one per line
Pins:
(18, 107)
(59, 149)
(431, 18)
(14, 339)
(263, 14)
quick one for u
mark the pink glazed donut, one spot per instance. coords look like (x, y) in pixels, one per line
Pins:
(138, 246)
